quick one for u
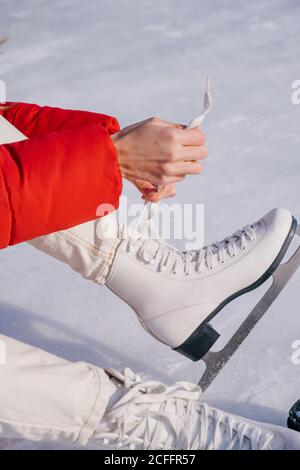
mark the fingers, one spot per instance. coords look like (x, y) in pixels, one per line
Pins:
(160, 153)
(192, 153)
(167, 191)
(151, 192)
(174, 173)
(177, 148)
(163, 180)
(144, 185)
(189, 136)
(169, 172)
(161, 177)
(161, 122)
(183, 169)
(190, 168)
(163, 193)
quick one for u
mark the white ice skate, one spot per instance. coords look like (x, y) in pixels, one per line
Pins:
(152, 416)
(176, 294)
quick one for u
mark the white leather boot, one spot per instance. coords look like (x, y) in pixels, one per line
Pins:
(175, 294)
(150, 415)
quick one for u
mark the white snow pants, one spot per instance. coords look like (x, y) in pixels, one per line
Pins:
(44, 397)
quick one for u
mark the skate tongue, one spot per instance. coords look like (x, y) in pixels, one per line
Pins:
(150, 252)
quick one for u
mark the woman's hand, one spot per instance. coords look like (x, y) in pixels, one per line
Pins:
(156, 153)
(153, 193)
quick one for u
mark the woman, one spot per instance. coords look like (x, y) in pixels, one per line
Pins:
(71, 163)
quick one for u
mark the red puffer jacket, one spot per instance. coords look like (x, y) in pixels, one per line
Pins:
(59, 176)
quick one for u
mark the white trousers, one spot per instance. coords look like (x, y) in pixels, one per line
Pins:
(44, 397)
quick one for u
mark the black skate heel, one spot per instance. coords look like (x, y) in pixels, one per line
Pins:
(204, 337)
(199, 343)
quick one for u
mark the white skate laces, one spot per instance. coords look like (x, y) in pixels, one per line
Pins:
(153, 250)
(151, 415)
(167, 257)
(207, 104)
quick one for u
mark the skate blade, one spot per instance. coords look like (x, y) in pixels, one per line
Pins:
(205, 336)
(215, 361)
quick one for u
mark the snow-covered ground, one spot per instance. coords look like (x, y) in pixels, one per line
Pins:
(138, 58)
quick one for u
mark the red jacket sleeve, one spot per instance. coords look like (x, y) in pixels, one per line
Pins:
(59, 176)
(34, 120)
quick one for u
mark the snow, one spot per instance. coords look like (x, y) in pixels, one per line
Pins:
(139, 58)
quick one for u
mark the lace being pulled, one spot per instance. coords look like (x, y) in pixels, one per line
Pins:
(166, 257)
